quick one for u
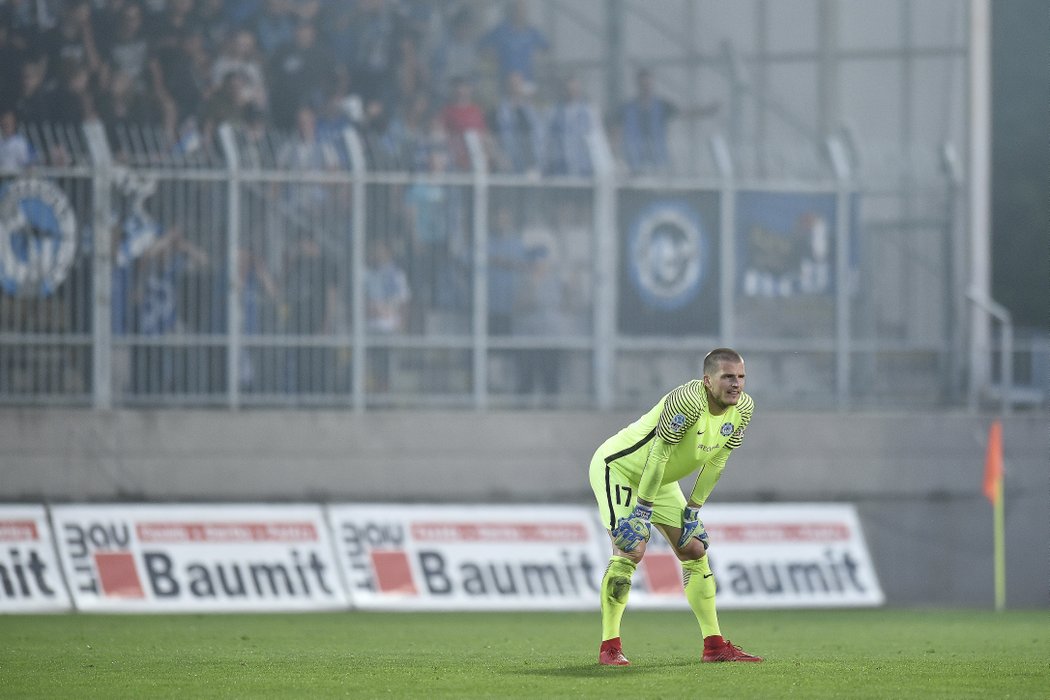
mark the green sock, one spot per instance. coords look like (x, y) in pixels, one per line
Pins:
(616, 584)
(700, 592)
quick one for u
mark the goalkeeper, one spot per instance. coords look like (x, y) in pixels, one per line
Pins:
(634, 475)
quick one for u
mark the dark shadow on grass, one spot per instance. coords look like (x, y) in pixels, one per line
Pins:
(594, 670)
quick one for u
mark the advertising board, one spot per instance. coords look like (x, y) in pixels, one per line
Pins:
(197, 558)
(413, 557)
(770, 555)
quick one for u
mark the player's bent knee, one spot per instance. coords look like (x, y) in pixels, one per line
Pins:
(692, 551)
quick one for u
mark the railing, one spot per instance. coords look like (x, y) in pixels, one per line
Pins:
(258, 269)
(1006, 353)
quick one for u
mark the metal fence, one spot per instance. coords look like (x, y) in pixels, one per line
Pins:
(249, 268)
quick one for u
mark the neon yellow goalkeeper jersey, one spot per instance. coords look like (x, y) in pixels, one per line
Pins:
(677, 437)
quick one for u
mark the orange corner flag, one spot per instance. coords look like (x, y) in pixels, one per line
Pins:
(993, 463)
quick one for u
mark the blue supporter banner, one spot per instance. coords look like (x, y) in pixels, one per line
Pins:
(38, 237)
(669, 263)
(785, 244)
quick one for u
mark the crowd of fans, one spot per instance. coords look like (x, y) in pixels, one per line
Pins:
(410, 75)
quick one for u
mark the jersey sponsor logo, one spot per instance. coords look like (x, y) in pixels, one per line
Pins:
(727, 429)
(667, 254)
(198, 558)
(38, 237)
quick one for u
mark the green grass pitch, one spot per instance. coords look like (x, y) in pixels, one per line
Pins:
(809, 654)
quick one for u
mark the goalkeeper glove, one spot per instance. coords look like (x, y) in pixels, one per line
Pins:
(633, 529)
(692, 526)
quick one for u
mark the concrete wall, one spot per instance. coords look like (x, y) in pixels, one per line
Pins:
(914, 476)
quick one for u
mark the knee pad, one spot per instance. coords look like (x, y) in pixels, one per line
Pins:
(618, 578)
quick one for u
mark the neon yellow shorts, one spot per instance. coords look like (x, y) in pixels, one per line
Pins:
(616, 493)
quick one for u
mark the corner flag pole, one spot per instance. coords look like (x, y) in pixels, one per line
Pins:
(993, 491)
(1000, 551)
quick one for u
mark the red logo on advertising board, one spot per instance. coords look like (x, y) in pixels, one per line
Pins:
(18, 531)
(498, 532)
(393, 573)
(764, 533)
(118, 576)
(177, 533)
(662, 575)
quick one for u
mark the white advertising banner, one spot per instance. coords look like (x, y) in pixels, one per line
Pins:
(409, 557)
(197, 558)
(792, 555)
(789, 555)
(30, 579)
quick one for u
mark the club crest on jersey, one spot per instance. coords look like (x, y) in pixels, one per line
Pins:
(678, 422)
(727, 429)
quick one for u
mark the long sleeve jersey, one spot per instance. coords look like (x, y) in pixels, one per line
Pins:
(676, 437)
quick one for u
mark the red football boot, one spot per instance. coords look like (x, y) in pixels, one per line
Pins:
(611, 654)
(718, 649)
